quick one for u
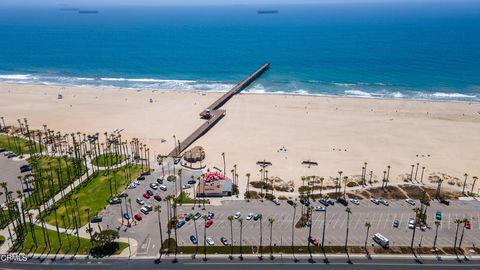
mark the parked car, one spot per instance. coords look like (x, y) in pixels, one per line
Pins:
(192, 182)
(186, 186)
(375, 201)
(411, 223)
(319, 208)
(96, 219)
(157, 197)
(123, 195)
(256, 217)
(126, 216)
(6, 153)
(132, 186)
(324, 202)
(444, 201)
(237, 215)
(209, 223)
(355, 201)
(154, 186)
(210, 215)
(137, 183)
(384, 202)
(396, 223)
(146, 196)
(438, 215)
(210, 241)
(138, 217)
(342, 201)
(160, 180)
(148, 206)
(163, 187)
(276, 201)
(25, 168)
(115, 201)
(140, 201)
(188, 217)
(144, 210)
(468, 225)
(250, 216)
(331, 202)
(224, 241)
(313, 240)
(410, 201)
(197, 216)
(193, 239)
(149, 192)
(141, 178)
(180, 224)
(11, 155)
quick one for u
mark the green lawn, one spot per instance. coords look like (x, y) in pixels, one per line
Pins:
(16, 145)
(94, 194)
(106, 160)
(2, 240)
(5, 217)
(41, 168)
(65, 248)
(184, 199)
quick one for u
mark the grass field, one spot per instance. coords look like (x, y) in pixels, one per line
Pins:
(41, 168)
(2, 240)
(94, 194)
(64, 248)
(106, 160)
(5, 217)
(16, 145)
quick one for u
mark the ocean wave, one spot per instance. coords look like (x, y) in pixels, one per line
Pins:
(358, 93)
(452, 95)
(15, 76)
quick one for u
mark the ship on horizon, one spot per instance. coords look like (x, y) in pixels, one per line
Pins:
(88, 11)
(267, 11)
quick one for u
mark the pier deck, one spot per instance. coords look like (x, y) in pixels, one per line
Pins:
(216, 114)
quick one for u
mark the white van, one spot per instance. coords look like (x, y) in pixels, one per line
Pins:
(381, 240)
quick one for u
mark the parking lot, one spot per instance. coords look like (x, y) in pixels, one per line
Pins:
(8, 173)
(381, 217)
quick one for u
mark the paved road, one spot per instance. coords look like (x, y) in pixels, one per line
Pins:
(251, 263)
(381, 217)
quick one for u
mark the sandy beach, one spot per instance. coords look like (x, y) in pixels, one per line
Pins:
(339, 133)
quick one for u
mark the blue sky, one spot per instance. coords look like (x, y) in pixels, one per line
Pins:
(193, 2)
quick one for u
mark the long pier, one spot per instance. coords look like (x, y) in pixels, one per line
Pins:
(213, 114)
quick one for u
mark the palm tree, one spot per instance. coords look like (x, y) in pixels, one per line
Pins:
(416, 210)
(348, 211)
(174, 206)
(367, 225)
(463, 230)
(261, 235)
(196, 236)
(293, 227)
(457, 222)
(270, 221)
(310, 214)
(159, 211)
(204, 237)
(439, 188)
(437, 224)
(248, 186)
(473, 185)
(464, 183)
(240, 220)
(230, 218)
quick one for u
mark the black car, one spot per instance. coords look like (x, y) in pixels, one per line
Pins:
(149, 192)
(324, 202)
(140, 178)
(342, 201)
(115, 201)
(2, 150)
(192, 182)
(197, 215)
(188, 217)
(256, 217)
(96, 219)
(210, 215)
(446, 202)
(331, 202)
(224, 241)
(25, 168)
(160, 180)
(290, 202)
(11, 155)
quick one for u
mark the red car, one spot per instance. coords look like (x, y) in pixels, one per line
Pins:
(209, 223)
(146, 196)
(138, 217)
(468, 226)
(157, 197)
(313, 240)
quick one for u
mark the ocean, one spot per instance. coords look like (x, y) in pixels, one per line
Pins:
(426, 51)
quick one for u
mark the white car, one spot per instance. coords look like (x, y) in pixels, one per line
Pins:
(136, 183)
(163, 187)
(237, 215)
(385, 202)
(132, 186)
(210, 241)
(140, 201)
(355, 201)
(154, 186)
(411, 223)
(410, 201)
(250, 216)
(319, 208)
(276, 201)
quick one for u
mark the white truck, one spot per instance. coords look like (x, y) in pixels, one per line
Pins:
(381, 240)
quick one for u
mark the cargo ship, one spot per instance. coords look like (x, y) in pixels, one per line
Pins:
(267, 11)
